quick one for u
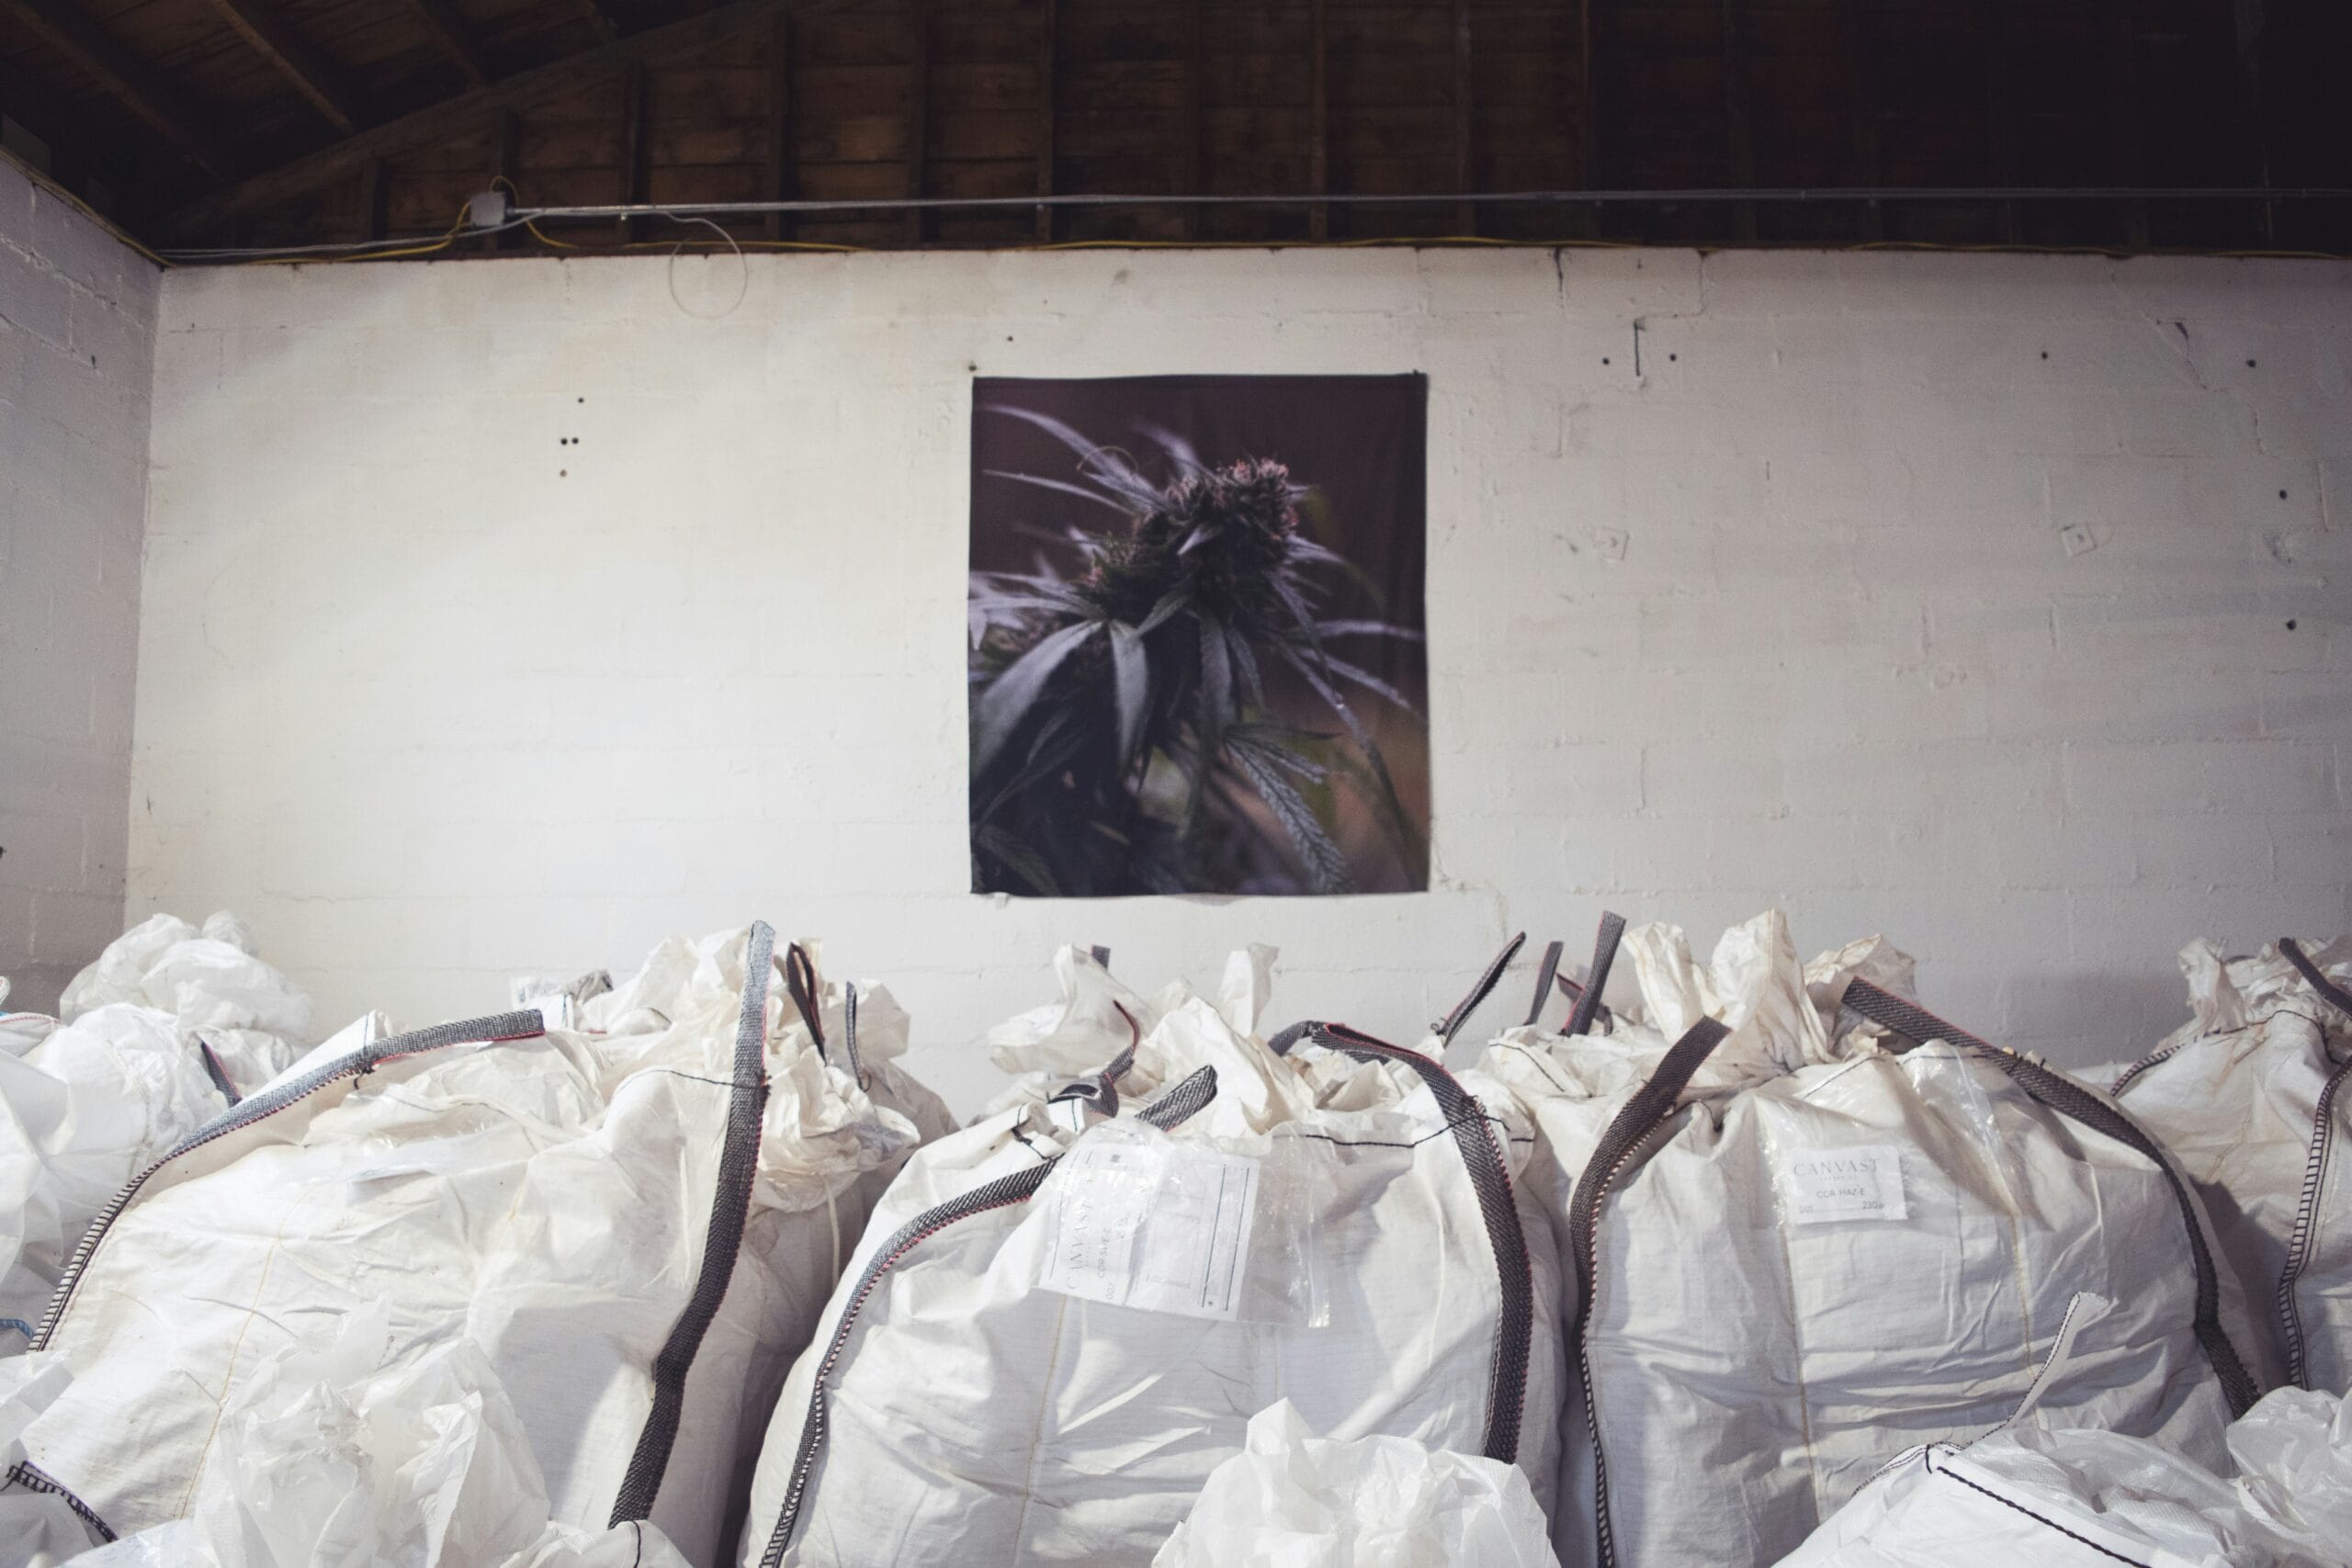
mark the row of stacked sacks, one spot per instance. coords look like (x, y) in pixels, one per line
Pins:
(1697, 1269)
(493, 1294)
(1763, 1254)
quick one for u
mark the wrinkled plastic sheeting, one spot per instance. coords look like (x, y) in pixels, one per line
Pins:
(207, 978)
(329, 1460)
(2060, 1498)
(1294, 1500)
(37, 1529)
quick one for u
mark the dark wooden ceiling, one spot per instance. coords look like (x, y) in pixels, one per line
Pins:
(206, 123)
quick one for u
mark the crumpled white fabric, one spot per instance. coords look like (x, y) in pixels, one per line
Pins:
(329, 1459)
(549, 1197)
(87, 1103)
(1175, 1032)
(976, 1416)
(20, 1031)
(1093, 1020)
(207, 977)
(37, 1529)
(1751, 1369)
(2236, 1095)
(2070, 1498)
(1291, 1499)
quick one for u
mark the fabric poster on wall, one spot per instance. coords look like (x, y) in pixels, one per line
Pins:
(1196, 618)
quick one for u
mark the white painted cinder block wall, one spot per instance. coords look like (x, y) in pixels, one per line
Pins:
(77, 326)
(1750, 583)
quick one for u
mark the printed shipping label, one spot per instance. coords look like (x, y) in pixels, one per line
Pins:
(1151, 1226)
(1864, 1183)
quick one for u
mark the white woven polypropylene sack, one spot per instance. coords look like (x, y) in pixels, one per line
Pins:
(1291, 1499)
(325, 1459)
(2074, 1498)
(2249, 1096)
(1050, 1337)
(1831, 1250)
(639, 1230)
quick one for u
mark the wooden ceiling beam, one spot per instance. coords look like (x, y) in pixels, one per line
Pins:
(449, 34)
(469, 109)
(64, 29)
(596, 16)
(276, 41)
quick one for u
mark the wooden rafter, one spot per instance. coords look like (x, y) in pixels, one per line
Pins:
(596, 16)
(632, 180)
(69, 32)
(2253, 108)
(2123, 116)
(1049, 32)
(450, 36)
(1739, 130)
(521, 90)
(1864, 110)
(783, 170)
(1996, 49)
(276, 41)
(1194, 165)
(1466, 213)
(372, 200)
(918, 119)
(1318, 145)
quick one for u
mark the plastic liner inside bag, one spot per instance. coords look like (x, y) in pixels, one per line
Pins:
(1294, 1500)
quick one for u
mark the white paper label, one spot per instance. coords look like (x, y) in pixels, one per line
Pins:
(1151, 1226)
(1864, 1183)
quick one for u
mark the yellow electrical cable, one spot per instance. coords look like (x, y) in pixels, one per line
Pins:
(449, 238)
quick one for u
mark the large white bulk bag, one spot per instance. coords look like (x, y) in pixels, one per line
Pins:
(327, 1459)
(638, 1230)
(2088, 1498)
(1050, 1337)
(1834, 1247)
(2249, 1096)
(37, 1528)
(1291, 1499)
(167, 1028)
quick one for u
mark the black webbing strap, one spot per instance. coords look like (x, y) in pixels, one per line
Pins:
(1281, 1044)
(527, 1024)
(1100, 955)
(1166, 1112)
(1101, 1089)
(1632, 1127)
(729, 1211)
(1544, 976)
(2303, 1239)
(1604, 953)
(2079, 1105)
(849, 1033)
(1490, 1181)
(1446, 1028)
(1632, 1124)
(800, 984)
(217, 1073)
(2330, 992)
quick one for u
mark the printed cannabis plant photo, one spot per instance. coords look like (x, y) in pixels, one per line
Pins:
(1196, 635)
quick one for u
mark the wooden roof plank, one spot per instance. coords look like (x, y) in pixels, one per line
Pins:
(520, 90)
(450, 36)
(276, 41)
(65, 29)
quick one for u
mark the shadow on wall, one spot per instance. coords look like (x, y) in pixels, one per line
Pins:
(2084, 1021)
